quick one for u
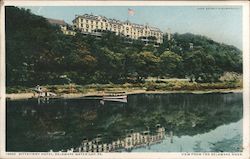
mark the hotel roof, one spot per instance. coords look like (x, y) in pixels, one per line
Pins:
(115, 21)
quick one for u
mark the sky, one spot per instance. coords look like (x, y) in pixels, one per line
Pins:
(222, 24)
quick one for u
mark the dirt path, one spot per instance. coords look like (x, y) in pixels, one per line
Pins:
(18, 96)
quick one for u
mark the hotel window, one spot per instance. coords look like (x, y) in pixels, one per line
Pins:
(81, 25)
(87, 26)
(87, 21)
(81, 20)
(91, 21)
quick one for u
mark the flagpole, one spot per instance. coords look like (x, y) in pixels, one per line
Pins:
(131, 12)
(127, 15)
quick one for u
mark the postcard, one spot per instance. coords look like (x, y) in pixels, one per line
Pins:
(124, 79)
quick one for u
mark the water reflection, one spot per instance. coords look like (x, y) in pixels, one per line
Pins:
(131, 141)
(61, 124)
(225, 138)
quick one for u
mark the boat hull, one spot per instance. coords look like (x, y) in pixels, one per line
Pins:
(124, 100)
(115, 97)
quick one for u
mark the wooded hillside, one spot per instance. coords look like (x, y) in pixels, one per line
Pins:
(38, 53)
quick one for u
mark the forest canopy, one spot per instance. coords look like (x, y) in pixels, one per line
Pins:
(39, 53)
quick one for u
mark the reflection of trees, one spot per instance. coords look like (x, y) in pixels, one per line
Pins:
(197, 147)
(228, 145)
(191, 114)
(185, 114)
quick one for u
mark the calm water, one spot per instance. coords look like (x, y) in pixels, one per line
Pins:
(199, 122)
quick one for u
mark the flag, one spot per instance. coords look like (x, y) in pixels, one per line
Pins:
(131, 12)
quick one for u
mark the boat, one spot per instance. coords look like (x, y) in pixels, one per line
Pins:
(43, 93)
(115, 96)
(38, 89)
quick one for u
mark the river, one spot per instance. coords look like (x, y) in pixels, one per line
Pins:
(209, 122)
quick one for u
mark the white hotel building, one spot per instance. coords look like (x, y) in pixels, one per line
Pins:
(91, 24)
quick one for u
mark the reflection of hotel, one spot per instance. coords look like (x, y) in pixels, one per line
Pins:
(132, 140)
(91, 24)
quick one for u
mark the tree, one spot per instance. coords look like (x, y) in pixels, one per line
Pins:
(28, 39)
(147, 64)
(111, 65)
(201, 67)
(170, 63)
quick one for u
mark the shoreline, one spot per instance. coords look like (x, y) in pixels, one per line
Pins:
(20, 96)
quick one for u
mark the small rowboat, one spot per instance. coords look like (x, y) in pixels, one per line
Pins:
(115, 96)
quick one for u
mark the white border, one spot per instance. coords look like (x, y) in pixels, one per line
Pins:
(2, 80)
(246, 81)
(120, 3)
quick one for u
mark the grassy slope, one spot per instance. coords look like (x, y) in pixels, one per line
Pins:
(147, 86)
